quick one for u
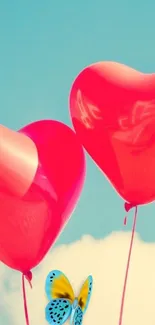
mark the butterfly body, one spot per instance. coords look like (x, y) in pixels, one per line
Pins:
(63, 303)
(74, 306)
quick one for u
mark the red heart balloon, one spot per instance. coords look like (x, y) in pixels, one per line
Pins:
(113, 112)
(29, 225)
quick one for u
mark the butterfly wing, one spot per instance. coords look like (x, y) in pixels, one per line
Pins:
(57, 286)
(57, 311)
(85, 294)
(78, 316)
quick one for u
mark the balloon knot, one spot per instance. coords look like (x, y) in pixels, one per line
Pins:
(129, 206)
(28, 277)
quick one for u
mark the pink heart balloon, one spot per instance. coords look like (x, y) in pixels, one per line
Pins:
(112, 108)
(30, 224)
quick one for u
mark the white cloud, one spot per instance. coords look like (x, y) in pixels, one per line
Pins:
(106, 261)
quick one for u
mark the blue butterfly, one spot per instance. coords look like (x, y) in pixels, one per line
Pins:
(63, 303)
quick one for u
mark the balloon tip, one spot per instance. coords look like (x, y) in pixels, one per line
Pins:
(28, 276)
(128, 206)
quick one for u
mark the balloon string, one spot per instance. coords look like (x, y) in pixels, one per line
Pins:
(127, 207)
(28, 276)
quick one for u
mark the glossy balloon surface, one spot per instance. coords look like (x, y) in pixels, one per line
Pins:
(112, 108)
(30, 225)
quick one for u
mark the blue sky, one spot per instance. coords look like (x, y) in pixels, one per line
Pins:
(44, 45)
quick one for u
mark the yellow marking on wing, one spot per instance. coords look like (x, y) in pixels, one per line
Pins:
(82, 298)
(61, 288)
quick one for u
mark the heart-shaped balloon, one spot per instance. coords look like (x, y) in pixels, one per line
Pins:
(113, 112)
(30, 224)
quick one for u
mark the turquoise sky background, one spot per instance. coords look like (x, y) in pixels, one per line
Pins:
(44, 45)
